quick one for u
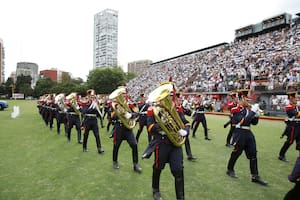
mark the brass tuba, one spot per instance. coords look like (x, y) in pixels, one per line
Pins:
(166, 114)
(121, 107)
(72, 99)
(59, 100)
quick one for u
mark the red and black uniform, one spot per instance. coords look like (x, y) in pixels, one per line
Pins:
(120, 133)
(73, 119)
(199, 116)
(165, 152)
(61, 118)
(292, 130)
(229, 138)
(50, 112)
(244, 141)
(90, 122)
(143, 107)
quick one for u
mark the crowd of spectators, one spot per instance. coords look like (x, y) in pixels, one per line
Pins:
(266, 62)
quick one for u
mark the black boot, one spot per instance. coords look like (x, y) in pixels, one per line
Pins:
(100, 150)
(188, 150)
(155, 179)
(283, 150)
(257, 179)
(179, 184)
(115, 165)
(137, 168)
(254, 171)
(79, 137)
(156, 194)
(230, 166)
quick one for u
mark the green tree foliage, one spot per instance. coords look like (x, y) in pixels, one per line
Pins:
(9, 87)
(130, 75)
(65, 77)
(43, 86)
(23, 85)
(69, 87)
(105, 80)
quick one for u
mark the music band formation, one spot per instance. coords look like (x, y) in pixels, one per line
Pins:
(163, 115)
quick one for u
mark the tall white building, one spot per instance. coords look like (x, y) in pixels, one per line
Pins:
(2, 56)
(106, 39)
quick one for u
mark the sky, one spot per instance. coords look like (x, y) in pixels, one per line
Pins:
(59, 33)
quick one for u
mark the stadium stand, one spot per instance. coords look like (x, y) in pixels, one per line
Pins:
(263, 59)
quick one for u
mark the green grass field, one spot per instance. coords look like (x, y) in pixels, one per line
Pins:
(36, 163)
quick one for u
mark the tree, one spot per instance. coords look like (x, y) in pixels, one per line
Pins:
(9, 87)
(69, 87)
(130, 75)
(65, 77)
(23, 85)
(43, 86)
(105, 80)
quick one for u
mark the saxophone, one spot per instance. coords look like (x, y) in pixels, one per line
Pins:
(166, 114)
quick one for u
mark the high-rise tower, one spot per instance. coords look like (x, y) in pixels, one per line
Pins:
(2, 55)
(106, 39)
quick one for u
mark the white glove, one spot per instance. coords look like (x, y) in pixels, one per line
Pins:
(65, 110)
(255, 108)
(93, 105)
(182, 132)
(257, 114)
(128, 115)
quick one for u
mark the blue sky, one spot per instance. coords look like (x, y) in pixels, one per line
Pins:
(59, 33)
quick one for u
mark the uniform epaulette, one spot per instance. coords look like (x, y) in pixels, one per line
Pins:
(51, 102)
(150, 111)
(289, 107)
(231, 105)
(179, 109)
(82, 103)
(235, 109)
(131, 105)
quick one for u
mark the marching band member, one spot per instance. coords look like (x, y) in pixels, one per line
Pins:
(143, 107)
(90, 112)
(199, 116)
(61, 115)
(245, 115)
(101, 108)
(165, 149)
(232, 104)
(292, 124)
(181, 111)
(73, 116)
(124, 121)
(50, 111)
